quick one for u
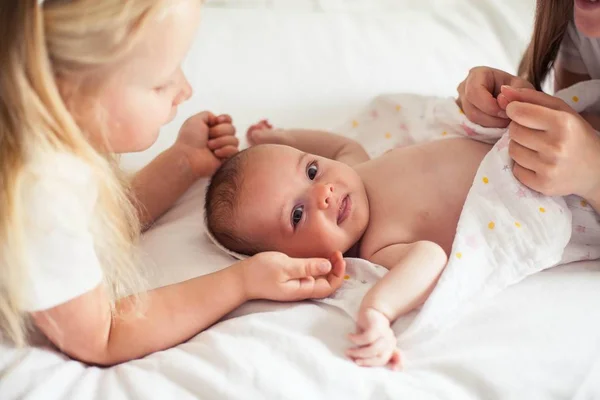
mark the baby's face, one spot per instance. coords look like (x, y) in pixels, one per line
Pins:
(300, 204)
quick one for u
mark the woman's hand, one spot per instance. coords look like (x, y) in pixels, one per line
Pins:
(275, 276)
(206, 141)
(556, 151)
(477, 95)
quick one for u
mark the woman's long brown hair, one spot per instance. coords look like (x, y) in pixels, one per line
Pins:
(551, 20)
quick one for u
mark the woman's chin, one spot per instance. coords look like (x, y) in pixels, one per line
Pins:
(588, 23)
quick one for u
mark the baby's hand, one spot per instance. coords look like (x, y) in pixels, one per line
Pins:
(206, 140)
(375, 341)
(263, 133)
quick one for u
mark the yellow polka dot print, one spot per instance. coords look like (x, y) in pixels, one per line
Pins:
(485, 180)
(398, 107)
(459, 255)
(346, 277)
(542, 210)
(575, 99)
(518, 224)
(355, 123)
(444, 133)
(584, 203)
(491, 225)
(388, 135)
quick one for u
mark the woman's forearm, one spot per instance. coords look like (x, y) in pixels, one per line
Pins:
(158, 185)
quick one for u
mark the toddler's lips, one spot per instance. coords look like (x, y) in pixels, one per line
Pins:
(344, 209)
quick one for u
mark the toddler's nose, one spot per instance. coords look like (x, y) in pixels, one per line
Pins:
(185, 91)
(323, 194)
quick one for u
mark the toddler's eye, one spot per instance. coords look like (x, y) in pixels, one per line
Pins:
(297, 215)
(312, 170)
(163, 88)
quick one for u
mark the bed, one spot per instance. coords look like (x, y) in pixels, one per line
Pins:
(314, 64)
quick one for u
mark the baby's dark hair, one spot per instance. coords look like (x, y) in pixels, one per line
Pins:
(222, 203)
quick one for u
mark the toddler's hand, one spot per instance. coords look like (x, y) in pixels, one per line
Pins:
(206, 140)
(375, 341)
(275, 276)
(263, 133)
(221, 137)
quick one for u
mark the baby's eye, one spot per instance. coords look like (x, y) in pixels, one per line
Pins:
(312, 170)
(297, 215)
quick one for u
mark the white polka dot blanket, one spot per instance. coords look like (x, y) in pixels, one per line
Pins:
(506, 231)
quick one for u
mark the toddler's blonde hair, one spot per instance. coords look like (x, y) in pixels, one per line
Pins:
(42, 46)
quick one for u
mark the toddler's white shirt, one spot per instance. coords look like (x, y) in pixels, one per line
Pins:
(58, 204)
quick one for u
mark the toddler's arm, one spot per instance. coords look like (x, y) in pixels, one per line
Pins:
(321, 143)
(85, 329)
(414, 271)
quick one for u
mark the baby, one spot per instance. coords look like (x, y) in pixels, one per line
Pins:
(311, 194)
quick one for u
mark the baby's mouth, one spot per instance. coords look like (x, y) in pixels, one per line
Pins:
(344, 209)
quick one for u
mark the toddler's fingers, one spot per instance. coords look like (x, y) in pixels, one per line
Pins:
(325, 286)
(336, 257)
(221, 130)
(379, 346)
(336, 276)
(226, 152)
(224, 119)
(307, 284)
(223, 141)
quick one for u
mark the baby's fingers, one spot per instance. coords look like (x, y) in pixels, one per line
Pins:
(395, 363)
(223, 141)
(377, 361)
(364, 338)
(379, 346)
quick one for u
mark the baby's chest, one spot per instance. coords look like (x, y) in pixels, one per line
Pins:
(402, 218)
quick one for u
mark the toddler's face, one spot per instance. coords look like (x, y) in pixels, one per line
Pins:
(300, 204)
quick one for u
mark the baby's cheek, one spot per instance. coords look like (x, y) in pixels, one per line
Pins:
(329, 242)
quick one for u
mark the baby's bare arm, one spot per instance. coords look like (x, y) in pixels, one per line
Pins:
(414, 272)
(324, 144)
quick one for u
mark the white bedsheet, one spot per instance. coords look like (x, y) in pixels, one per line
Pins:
(537, 340)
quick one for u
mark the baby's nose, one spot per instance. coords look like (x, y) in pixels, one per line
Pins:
(323, 194)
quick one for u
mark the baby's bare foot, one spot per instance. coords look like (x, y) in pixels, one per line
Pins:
(261, 133)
